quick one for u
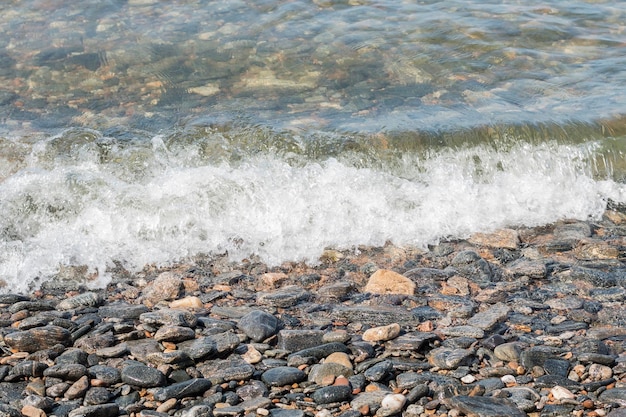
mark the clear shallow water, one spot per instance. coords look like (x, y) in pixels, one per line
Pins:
(134, 133)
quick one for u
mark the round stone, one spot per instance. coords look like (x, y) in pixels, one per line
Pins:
(258, 325)
(283, 375)
(382, 333)
(332, 394)
(142, 376)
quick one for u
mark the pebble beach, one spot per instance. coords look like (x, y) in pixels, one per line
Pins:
(518, 322)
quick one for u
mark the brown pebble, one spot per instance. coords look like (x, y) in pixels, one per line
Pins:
(364, 410)
(588, 404)
(30, 411)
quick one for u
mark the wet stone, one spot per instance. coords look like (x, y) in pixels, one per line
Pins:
(232, 369)
(122, 310)
(87, 299)
(190, 388)
(169, 317)
(464, 331)
(470, 265)
(258, 325)
(283, 375)
(102, 410)
(379, 371)
(486, 406)
(38, 338)
(489, 318)
(372, 315)
(199, 348)
(332, 394)
(295, 340)
(174, 334)
(287, 296)
(27, 368)
(389, 282)
(556, 367)
(97, 395)
(142, 376)
(446, 358)
(67, 371)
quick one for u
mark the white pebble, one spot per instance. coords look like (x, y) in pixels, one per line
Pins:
(508, 379)
(561, 393)
(468, 379)
(393, 401)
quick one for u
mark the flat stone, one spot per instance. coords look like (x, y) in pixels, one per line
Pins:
(102, 410)
(340, 358)
(169, 317)
(316, 353)
(413, 341)
(258, 325)
(86, 299)
(298, 339)
(187, 303)
(615, 395)
(178, 359)
(379, 371)
(288, 296)
(191, 388)
(69, 371)
(122, 310)
(385, 281)
(140, 349)
(372, 315)
(174, 334)
(286, 412)
(490, 318)
(485, 406)
(381, 333)
(283, 375)
(565, 303)
(463, 331)
(200, 348)
(113, 351)
(503, 238)
(525, 267)
(332, 394)
(38, 338)
(142, 376)
(233, 368)
(446, 358)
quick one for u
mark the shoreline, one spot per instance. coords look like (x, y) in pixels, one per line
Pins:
(519, 322)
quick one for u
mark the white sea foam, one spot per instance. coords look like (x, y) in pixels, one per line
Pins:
(78, 210)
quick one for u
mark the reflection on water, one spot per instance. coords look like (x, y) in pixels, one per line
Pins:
(337, 66)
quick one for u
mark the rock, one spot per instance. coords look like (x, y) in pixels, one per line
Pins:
(446, 358)
(485, 406)
(615, 395)
(559, 393)
(30, 411)
(340, 358)
(174, 334)
(169, 317)
(121, 310)
(315, 353)
(102, 410)
(463, 331)
(165, 287)
(599, 372)
(508, 352)
(258, 325)
(283, 375)
(379, 371)
(525, 267)
(199, 348)
(190, 388)
(187, 303)
(332, 394)
(391, 404)
(87, 299)
(67, 371)
(488, 319)
(142, 376)
(386, 281)
(97, 395)
(288, 296)
(382, 333)
(295, 340)
(232, 369)
(38, 338)
(77, 389)
(503, 238)
(470, 265)
(325, 373)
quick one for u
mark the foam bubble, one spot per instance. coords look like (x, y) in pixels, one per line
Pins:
(88, 211)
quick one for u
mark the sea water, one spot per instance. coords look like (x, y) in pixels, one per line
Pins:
(138, 133)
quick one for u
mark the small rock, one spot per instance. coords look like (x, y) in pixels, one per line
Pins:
(142, 376)
(446, 358)
(392, 404)
(507, 352)
(165, 287)
(30, 411)
(382, 333)
(102, 410)
(38, 338)
(386, 281)
(340, 358)
(295, 340)
(503, 238)
(599, 372)
(187, 303)
(560, 393)
(283, 375)
(190, 388)
(258, 325)
(174, 334)
(485, 406)
(332, 394)
(77, 389)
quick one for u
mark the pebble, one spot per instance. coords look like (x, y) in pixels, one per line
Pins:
(142, 376)
(385, 281)
(451, 345)
(381, 333)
